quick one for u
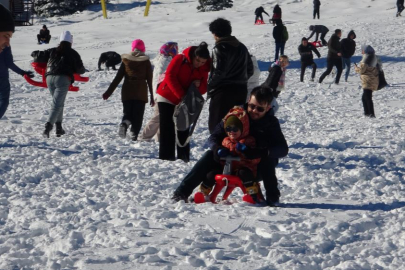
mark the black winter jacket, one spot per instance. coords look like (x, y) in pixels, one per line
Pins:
(273, 78)
(259, 11)
(318, 29)
(44, 33)
(306, 53)
(67, 64)
(317, 4)
(231, 64)
(348, 45)
(278, 32)
(270, 141)
(113, 57)
(334, 47)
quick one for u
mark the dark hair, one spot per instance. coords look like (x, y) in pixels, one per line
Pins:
(221, 27)
(263, 94)
(202, 51)
(337, 31)
(63, 47)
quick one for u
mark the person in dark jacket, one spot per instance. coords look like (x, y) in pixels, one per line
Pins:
(334, 57)
(44, 35)
(110, 59)
(6, 59)
(400, 7)
(307, 58)
(279, 38)
(136, 70)
(276, 77)
(270, 146)
(62, 63)
(319, 29)
(317, 6)
(348, 47)
(259, 14)
(231, 69)
(276, 14)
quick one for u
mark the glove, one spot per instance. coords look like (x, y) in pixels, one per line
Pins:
(29, 74)
(106, 96)
(215, 154)
(223, 152)
(241, 147)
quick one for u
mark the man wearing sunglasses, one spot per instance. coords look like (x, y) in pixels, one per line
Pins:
(270, 146)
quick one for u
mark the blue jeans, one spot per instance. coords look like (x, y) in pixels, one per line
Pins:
(346, 63)
(279, 49)
(4, 95)
(58, 85)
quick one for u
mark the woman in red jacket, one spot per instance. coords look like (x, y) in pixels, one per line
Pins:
(192, 66)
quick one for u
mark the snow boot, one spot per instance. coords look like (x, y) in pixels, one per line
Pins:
(134, 136)
(59, 130)
(48, 128)
(122, 131)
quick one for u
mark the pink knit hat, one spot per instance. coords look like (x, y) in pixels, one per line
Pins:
(138, 44)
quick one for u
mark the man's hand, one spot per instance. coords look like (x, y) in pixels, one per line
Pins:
(29, 74)
(339, 54)
(105, 96)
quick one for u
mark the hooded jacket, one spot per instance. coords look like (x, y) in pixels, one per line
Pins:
(278, 32)
(231, 64)
(369, 69)
(317, 4)
(273, 78)
(334, 47)
(245, 138)
(136, 70)
(160, 64)
(348, 45)
(180, 74)
(306, 53)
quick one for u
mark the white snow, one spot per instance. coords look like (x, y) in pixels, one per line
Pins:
(90, 200)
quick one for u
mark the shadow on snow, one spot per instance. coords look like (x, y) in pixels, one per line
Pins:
(347, 207)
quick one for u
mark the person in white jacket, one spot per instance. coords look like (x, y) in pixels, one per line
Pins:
(160, 63)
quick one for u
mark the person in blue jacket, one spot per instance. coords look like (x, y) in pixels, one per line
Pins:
(6, 58)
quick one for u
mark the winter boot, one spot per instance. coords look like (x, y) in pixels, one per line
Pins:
(48, 128)
(206, 190)
(122, 131)
(134, 136)
(59, 130)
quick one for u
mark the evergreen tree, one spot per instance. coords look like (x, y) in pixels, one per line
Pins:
(214, 5)
(50, 8)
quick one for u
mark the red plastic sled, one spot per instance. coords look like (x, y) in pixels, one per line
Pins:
(41, 68)
(258, 22)
(230, 182)
(317, 44)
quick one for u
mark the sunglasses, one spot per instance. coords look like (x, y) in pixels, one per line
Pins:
(257, 108)
(231, 129)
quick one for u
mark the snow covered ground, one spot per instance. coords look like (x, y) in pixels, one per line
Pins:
(90, 200)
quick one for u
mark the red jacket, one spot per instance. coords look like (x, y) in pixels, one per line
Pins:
(180, 74)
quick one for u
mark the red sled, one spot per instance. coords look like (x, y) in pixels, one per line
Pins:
(41, 68)
(317, 44)
(230, 182)
(258, 22)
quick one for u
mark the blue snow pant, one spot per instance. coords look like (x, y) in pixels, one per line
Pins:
(346, 64)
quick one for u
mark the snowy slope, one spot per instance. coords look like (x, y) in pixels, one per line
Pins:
(90, 200)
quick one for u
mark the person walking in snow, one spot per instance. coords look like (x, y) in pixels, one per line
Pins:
(276, 14)
(348, 47)
(190, 67)
(160, 63)
(319, 29)
(237, 143)
(307, 58)
(44, 35)
(259, 14)
(6, 59)
(317, 6)
(270, 146)
(400, 7)
(136, 70)
(110, 59)
(280, 38)
(231, 69)
(369, 67)
(62, 63)
(334, 57)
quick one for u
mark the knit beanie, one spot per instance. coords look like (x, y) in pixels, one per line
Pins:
(6, 20)
(66, 36)
(234, 121)
(138, 44)
(169, 49)
(304, 39)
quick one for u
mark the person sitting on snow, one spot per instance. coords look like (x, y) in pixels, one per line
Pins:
(259, 14)
(237, 143)
(44, 35)
(110, 59)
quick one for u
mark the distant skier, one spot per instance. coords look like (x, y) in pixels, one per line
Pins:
(348, 48)
(276, 14)
(259, 13)
(334, 57)
(307, 58)
(110, 59)
(400, 6)
(319, 29)
(317, 6)
(44, 35)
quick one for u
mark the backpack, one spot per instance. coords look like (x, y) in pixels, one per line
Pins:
(285, 33)
(187, 112)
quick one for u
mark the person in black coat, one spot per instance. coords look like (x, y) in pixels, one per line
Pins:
(110, 59)
(270, 146)
(231, 69)
(317, 6)
(307, 58)
(348, 46)
(279, 38)
(400, 7)
(259, 14)
(334, 57)
(319, 29)
(44, 35)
